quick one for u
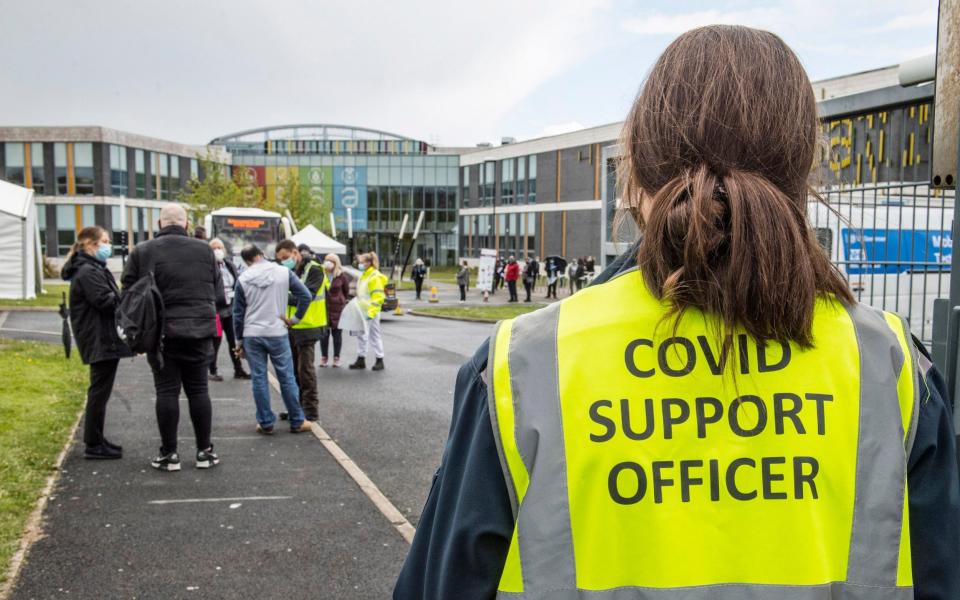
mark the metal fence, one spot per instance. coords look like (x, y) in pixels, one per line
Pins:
(893, 242)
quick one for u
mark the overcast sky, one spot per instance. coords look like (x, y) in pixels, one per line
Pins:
(446, 71)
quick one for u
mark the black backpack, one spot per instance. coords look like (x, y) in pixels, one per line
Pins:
(140, 316)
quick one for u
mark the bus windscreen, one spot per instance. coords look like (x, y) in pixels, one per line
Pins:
(235, 232)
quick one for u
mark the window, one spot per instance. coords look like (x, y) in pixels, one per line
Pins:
(506, 181)
(42, 226)
(194, 169)
(487, 182)
(66, 228)
(13, 151)
(60, 167)
(466, 186)
(532, 180)
(173, 182)
(83, 168)
(36, 168)
(118, 170)
(164, 171)
(140, 173)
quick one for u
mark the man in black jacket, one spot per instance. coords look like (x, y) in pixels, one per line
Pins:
(192, 289)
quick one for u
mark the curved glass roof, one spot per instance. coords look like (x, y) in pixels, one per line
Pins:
(309, 131)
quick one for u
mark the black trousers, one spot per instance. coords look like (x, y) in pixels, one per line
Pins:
(102, 376)
(463, 293)
(552, 290)
(528, 287)
(337, 335)
(306, 375)
(496, 282)
(418, 283)
(513, 290)
(227, 323)
(185, 364)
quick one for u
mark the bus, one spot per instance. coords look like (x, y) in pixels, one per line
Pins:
(237, 227)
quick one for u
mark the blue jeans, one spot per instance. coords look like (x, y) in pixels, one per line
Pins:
(278, 350)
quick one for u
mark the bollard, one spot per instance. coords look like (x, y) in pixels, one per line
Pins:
(433, 295)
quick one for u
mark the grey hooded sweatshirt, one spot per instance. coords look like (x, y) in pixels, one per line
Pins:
(260, 303)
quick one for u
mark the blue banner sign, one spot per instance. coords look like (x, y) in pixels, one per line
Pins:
(350, 191)
(895, 250)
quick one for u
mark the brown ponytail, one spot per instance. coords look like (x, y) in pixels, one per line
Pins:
(89, 234)
(719, 146)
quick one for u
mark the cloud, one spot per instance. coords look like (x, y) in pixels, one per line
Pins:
(674, 24)
(923, 19)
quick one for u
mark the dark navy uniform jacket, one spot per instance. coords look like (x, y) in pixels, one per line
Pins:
(466, 525)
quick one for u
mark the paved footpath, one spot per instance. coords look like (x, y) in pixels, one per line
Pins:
(278, 518)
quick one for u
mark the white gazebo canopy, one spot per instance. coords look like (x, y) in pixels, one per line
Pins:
(318, 241)
(21, 274)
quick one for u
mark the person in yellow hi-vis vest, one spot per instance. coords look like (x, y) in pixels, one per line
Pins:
(305, 334)
(716, 416)
(370, 298)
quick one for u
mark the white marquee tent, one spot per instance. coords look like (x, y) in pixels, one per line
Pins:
(21, 274)
(318, 241)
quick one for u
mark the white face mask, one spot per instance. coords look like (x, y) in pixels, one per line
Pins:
(362, 266)
(328, 265)
(218, 253)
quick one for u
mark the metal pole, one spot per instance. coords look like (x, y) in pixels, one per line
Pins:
(350, 233)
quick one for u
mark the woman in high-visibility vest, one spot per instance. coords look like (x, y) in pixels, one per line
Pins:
(370, 296)
(716, 416)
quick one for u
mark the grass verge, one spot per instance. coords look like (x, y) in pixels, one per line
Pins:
(50, 297)
(39, 401)
(488, 314)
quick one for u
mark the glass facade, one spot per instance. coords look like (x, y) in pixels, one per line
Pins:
(82, 168)
(118, 170)
(15, 163)
(37, 178)
(378, 188)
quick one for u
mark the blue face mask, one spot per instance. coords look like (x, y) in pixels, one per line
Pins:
(104, 251)
(289, 263)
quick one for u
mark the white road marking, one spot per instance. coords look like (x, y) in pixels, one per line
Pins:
(30, 331)
(195, 500)
(383, 504)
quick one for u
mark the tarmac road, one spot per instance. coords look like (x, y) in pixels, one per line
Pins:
(279, 517)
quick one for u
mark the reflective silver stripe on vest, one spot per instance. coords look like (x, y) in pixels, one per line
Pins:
(881, 460)
(543, 519)
(832, 591)
(494, 422)
(543, 522)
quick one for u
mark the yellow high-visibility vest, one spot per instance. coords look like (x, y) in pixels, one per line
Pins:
(370, 292)
(641, 466)
(316, 315)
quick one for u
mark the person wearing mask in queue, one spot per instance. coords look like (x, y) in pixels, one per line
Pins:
(337, 296)
(259, 316)
(305, 334)
(511, 274)
(418, 274)
(189, 281)
(553, 274)
(307, 253)
(94, 296)
(530, 273)
(463, 281)
(370, 297)
(228, 272)
(497, 274)
(716, 416)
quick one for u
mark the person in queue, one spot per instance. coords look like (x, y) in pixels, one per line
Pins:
(305, 334)
(337, 296)
(189, 281)
(511, 274)
(260, 318)
(716, 416)
(94, 296)
(418, 275)
(370, 296)
(229, 274)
